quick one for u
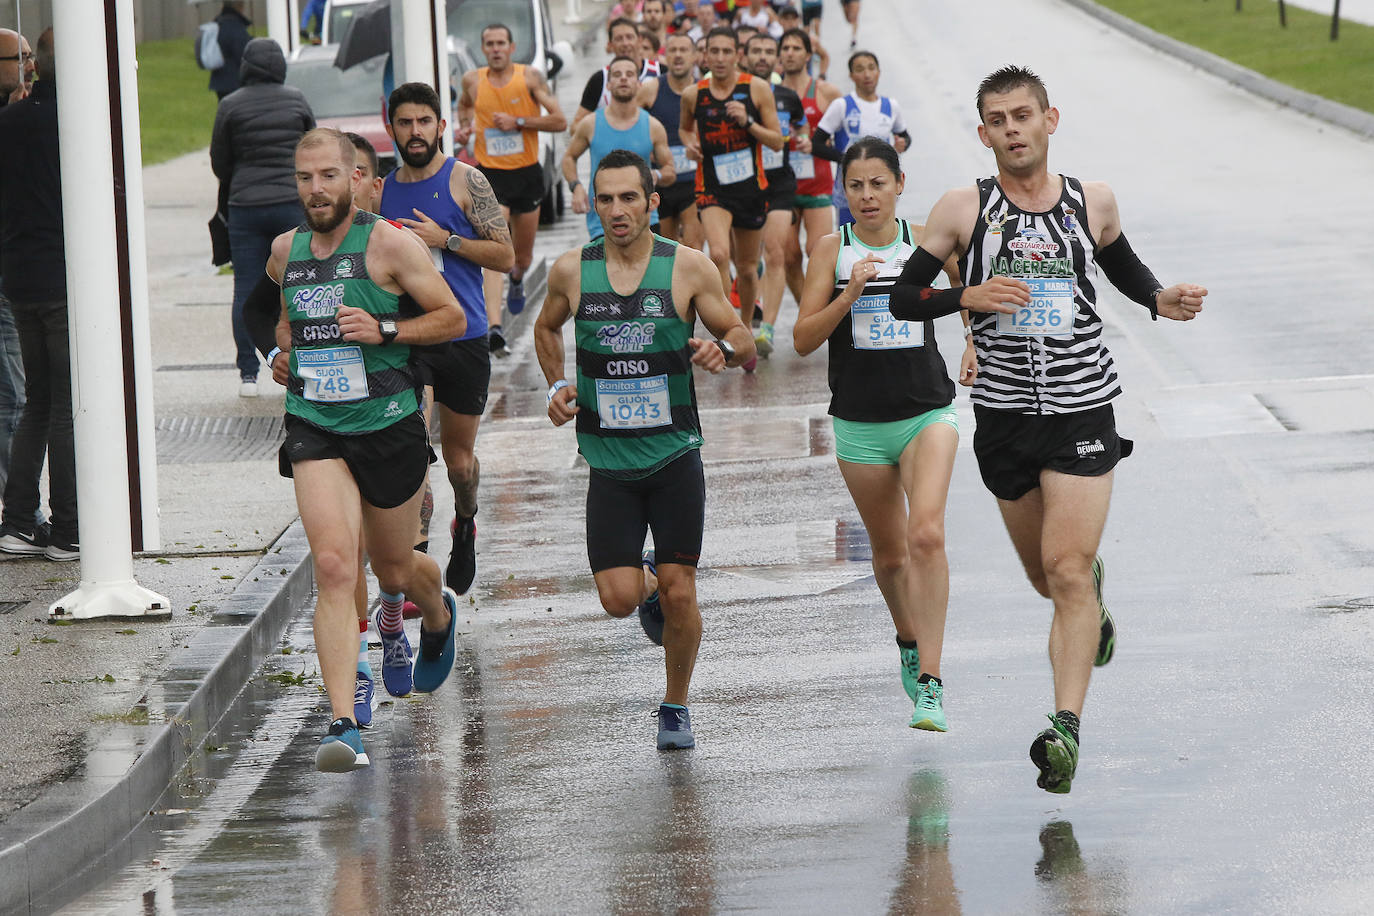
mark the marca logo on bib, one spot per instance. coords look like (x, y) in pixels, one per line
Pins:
(630, 337)
(319, 301)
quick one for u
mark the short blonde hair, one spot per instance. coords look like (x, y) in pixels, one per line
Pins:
(323, 136)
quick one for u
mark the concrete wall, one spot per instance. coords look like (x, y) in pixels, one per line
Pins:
(153, 19)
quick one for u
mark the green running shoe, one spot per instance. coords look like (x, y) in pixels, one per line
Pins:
(930, 707)
(911, 670)
(1106, 643)
(763, 340)
(1055, 752)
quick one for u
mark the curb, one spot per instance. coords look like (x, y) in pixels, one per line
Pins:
(50, 842)
(1323, 109)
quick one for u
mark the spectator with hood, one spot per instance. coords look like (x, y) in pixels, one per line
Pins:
(253, 148)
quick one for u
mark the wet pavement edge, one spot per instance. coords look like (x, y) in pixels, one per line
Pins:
(50, 842)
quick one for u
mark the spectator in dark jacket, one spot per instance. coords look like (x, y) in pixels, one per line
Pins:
(253, 147)
(35, 270)
(233, 38)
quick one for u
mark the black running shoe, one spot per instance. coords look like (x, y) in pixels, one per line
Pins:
(462, 561)
(496, 340)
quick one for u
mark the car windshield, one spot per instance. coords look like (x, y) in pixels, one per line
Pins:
(335, 93)
(467, 19)
(341, 17)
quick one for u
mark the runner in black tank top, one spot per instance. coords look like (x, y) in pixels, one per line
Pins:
(896, 430)
(726, 119)
(1050, 469)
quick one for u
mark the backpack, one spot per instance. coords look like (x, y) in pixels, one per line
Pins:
(208, 53)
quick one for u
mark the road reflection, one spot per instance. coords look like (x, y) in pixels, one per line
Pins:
(926, 881)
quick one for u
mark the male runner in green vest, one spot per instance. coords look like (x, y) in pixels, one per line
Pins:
(635, 298)
(356, 444)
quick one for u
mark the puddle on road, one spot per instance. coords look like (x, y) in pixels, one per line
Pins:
(1349, 606)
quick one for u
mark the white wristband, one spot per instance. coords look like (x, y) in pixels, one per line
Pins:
(557, 387)
(272, 356)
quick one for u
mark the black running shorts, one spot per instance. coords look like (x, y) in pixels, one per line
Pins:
(1013, 448)
(520, 189)
(459, 371)
(747, 211)
(782, 194)
(671, 502)
(675, 199)
(389, 465)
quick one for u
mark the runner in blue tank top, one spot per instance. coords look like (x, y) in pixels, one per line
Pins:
(662, 97)
(620, 125)
(451, 207)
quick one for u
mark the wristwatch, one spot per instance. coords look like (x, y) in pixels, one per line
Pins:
(388, 328)
(520, 123)
(726, 350)
(454, 242)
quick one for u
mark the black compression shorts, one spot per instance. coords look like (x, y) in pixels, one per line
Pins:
(671, 502)
(520, 189)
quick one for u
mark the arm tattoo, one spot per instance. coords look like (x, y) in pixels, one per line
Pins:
(485, 216)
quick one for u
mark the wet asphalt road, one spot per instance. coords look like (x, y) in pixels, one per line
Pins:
(1226, 749)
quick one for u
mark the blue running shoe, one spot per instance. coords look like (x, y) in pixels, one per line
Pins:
(651, 611)
(674, 728)
(396, 655)
(362, 700)
(515, 301)
(341, 750)
(436, 650)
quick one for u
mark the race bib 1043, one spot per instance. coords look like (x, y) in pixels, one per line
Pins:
(633, 403)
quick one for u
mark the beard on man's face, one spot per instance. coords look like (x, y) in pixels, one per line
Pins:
(416, 159)
(328, 220)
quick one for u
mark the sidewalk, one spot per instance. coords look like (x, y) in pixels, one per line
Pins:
(121, 705)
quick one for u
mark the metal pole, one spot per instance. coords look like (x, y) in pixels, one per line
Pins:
(100, 281)
(280, 28)
(1283, 14)
(1336, 21)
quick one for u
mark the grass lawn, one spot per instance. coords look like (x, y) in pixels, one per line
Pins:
(174, 103)
(1301, 55)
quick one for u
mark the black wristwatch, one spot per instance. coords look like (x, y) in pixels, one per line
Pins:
(388, 328)
(726, 350)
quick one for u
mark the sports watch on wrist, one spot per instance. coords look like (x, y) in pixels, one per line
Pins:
(387, 327)
(726, 350)
(454, 242)
(520, 123)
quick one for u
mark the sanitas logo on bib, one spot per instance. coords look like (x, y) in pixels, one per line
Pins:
(1086, 448)
(630, 337)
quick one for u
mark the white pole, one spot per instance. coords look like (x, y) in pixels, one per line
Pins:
(95, 304)
(280, 26)
(574, 16)
(425, 54)
(142, 342)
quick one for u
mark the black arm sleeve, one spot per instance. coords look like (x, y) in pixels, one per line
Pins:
(591, 93)
(821, 146)
(914, 299)
(261, 311)
(1128, 274)
(905, 136)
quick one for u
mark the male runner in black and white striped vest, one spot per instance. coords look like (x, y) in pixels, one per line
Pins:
(1031, 245)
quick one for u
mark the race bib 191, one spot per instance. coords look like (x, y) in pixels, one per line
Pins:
(732, 168)
(633, 403)
(334, 375)
(874, 328)
(1050, 313)
(504, 142)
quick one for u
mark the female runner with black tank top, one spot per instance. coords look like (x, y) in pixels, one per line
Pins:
(896, 430)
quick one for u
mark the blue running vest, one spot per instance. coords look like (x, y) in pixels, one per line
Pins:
(432, 198)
